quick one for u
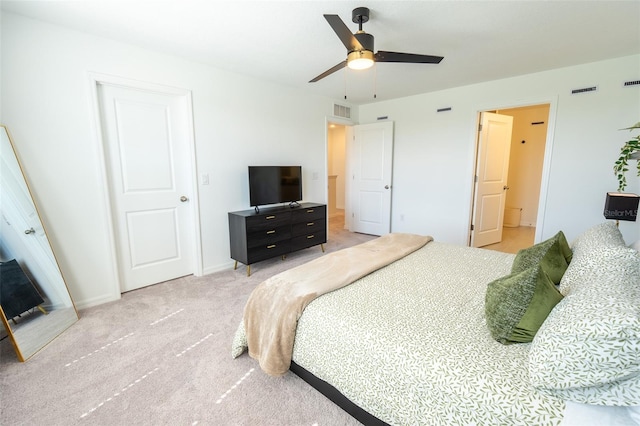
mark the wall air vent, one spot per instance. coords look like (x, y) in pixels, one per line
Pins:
(341, 111)
(632, 83)
(443, 109)
(584, 90)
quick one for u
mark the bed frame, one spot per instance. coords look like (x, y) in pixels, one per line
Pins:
(336, 397)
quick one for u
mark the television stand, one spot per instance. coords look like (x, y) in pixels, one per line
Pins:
(256, 235)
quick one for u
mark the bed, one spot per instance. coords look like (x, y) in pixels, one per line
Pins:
(415, 342)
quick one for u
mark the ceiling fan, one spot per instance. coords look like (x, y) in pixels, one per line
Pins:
(360, 46)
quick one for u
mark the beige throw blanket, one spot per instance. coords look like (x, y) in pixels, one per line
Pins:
(274, 307)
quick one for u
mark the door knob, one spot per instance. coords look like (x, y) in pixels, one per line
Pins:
(386, 187)
(505, 187)
(184, 199)
(30, 231)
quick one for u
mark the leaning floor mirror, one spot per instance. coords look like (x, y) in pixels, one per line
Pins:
(35, 304)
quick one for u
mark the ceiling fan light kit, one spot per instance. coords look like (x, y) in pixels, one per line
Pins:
(360, 47)
(360, 59)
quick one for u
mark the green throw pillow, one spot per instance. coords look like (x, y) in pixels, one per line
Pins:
(553, 255)
(516, 305)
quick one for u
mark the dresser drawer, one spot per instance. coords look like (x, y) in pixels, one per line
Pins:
(309, 240)
(309, 214)
(255, 223)
(308, 227)
(270, 235)
(279, 248)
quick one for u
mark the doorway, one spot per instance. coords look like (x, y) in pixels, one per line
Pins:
(364, 154)
(525, 176)
(336, 169)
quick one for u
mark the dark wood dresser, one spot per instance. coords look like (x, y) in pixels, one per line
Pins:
(275, 231)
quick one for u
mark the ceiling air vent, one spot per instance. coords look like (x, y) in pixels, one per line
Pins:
(341, 111)
(632, 83)
(584, 90)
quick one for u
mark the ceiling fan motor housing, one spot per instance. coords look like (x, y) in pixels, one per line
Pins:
(366, 40)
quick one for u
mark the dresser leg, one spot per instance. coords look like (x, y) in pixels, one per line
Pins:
(248, 270)
(322, 247)
(235, 266)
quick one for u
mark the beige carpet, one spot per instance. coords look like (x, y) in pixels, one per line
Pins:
(162, 355)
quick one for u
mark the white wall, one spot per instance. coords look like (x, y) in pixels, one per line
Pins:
(434, 152)
(238, 121)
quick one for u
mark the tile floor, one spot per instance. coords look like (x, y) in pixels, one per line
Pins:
(514, 239)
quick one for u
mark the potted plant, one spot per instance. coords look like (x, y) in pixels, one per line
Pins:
(629, 151)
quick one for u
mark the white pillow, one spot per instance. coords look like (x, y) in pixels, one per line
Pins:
(585, 257)
(588, 348)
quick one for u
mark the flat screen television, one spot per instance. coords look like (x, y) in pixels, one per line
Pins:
(274, 184)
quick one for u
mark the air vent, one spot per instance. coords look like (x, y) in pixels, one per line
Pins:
(443, 109)
(632, 83)
(341, 111)
(584, 90)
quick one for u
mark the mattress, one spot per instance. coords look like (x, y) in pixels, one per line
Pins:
(409, 344)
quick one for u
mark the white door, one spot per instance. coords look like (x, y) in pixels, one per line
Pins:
(371, 158)
(492, 170)
(146, 138)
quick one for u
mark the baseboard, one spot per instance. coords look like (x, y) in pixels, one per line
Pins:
(218, 268)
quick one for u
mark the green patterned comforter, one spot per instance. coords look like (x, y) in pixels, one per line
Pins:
(409, 344)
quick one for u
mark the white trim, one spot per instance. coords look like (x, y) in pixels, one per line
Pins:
(552, 101)
(96, 79)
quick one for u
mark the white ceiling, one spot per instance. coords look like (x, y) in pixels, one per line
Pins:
(289, 42)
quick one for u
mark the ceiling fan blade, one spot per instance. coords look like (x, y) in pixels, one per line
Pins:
(329, 71)
(412, 58)
(343, 33)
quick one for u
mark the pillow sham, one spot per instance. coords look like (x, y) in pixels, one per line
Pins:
(605, 234)
(517, 304)
(588, 348)
(588, 248)
(553, 255)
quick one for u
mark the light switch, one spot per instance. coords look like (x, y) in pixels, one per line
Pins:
(205, 178)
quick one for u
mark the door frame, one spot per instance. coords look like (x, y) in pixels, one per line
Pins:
(95, 79)
(552, 101)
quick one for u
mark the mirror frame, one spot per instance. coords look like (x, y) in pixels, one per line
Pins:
(24, 351)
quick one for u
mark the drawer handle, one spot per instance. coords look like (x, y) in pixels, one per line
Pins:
(310, 236)
(310, 211)
(270, 217)
(271, 246)
(271, 232)
(311, 223)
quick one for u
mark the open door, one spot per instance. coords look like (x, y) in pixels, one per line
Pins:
(492, 170)
(370, 166)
